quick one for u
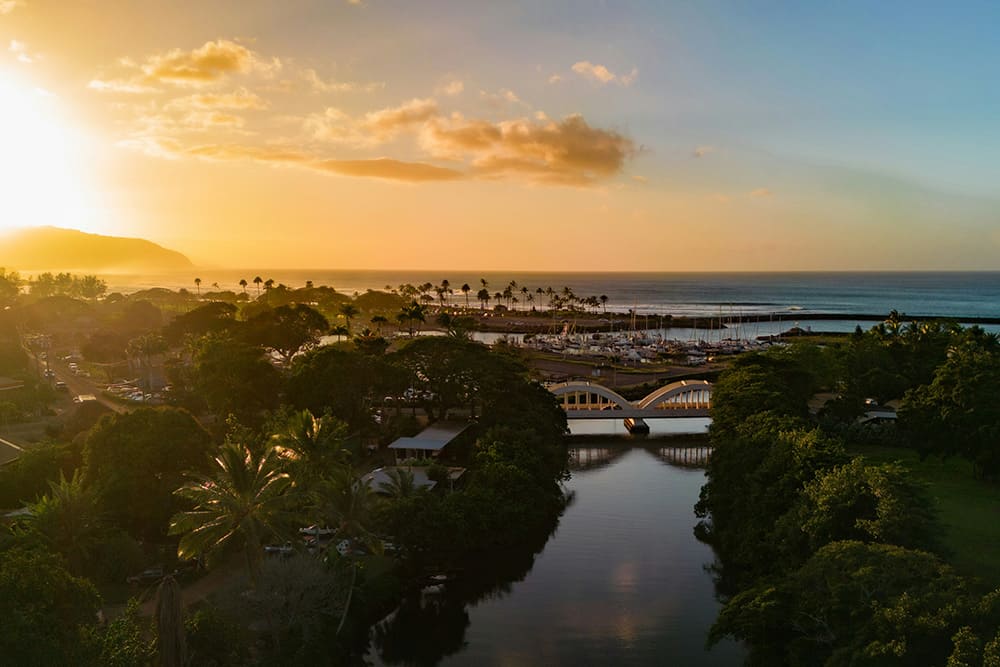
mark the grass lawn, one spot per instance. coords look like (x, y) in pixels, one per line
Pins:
(969, 509)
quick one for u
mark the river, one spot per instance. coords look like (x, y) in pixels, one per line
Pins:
(621, 581)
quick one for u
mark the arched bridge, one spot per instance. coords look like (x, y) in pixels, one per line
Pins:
(586, 400)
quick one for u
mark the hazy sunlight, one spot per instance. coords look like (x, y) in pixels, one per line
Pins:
(39, 162)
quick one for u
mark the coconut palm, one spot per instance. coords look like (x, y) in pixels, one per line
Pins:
(197, 283)
(67, 519)
(257, 281)
(347, 508)
(243, 284)
(401, 484)
(377, 321)
(312, 446)
(465, 290)
(143, 349)
(348, 310)
(446, 288)
(414, 312)
(244, 499)
(170, 624)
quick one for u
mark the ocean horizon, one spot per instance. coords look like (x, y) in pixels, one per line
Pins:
(946, 294)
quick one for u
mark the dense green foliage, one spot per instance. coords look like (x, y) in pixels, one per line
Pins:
(136, 460)
(45, 609)
(827, 560)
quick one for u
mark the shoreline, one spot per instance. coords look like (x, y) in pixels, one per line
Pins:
(546, 322)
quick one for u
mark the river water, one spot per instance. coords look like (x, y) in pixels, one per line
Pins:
(621, 581)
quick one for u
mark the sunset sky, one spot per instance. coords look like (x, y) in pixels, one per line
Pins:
(570, 135)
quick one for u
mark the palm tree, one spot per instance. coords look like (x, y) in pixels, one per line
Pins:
(244, 498)
(414, 312)
(312, 445)
(257, 281)
(67, 519)
(465, 290)
(144, 348)
(377, 321)
(170, 624)
(348, 509)
(340, 331)
(348, 310)
(243, 284)
(401, 484)
(604, 302)
(446, 287)
(197, 283)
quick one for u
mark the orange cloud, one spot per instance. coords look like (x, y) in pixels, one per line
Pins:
(384, 168)
(375, 127)
(209, 62)
(386, 123)
(760, 192)
(319, 85)
(387, 168)
(569, 151)
(240, 99)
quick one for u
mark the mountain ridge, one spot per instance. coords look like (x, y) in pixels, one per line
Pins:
(62, 249)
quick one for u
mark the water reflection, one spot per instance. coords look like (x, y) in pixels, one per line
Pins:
(620, 581)
(431, 625)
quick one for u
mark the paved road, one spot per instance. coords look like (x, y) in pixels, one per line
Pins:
(78, 385)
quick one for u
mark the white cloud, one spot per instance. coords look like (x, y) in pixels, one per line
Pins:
(20, 51)
(602, 75)
(120, 86)
(452, 88)
(501, 98)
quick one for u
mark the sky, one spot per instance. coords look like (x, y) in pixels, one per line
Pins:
(563, 135)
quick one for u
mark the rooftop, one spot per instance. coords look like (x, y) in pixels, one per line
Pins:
(433, 438)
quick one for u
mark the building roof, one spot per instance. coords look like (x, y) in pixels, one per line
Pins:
(433, 438)
(380, 476)
(10, 383)
(8, 451)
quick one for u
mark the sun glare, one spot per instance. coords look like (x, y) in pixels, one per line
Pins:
(41, 176)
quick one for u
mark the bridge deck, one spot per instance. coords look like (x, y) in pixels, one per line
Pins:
(637, 413)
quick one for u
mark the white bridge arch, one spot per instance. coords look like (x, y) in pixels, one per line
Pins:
(587, 400)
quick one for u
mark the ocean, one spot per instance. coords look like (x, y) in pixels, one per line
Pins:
(711, 295)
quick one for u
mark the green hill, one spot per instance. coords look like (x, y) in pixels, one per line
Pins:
(57, 249)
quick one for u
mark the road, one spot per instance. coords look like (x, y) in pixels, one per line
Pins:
(78, 385)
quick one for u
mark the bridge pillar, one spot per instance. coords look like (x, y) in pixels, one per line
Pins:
(636, 426)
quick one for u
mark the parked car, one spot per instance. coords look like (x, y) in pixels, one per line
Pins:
(147, 576)
(285, 549)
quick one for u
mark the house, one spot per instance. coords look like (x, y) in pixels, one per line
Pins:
(430, 442)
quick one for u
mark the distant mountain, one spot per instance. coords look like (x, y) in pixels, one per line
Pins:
(57, 249)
